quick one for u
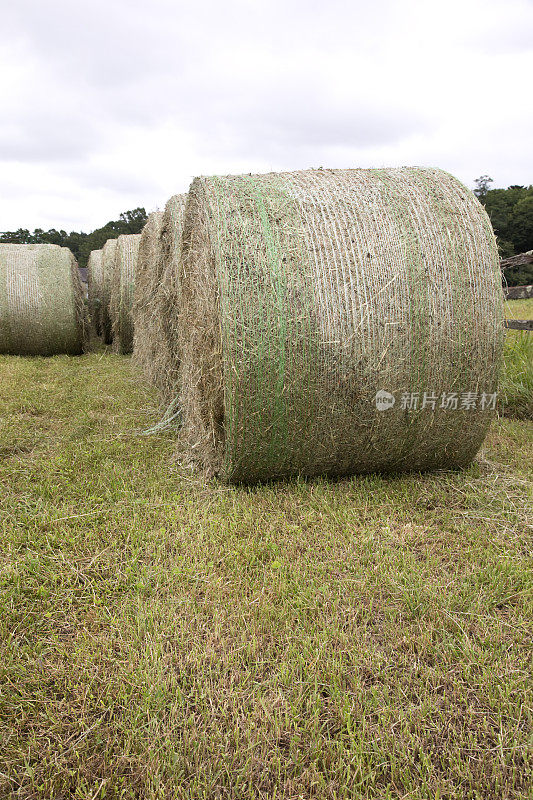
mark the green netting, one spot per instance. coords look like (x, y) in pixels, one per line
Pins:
(42, 311)
(304, 294)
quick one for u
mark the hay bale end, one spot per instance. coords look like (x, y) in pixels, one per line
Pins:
(42, 308)
(122, 289)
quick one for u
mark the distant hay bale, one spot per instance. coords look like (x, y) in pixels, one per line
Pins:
(304, 295)
(108, 262)
(165, 369)
(42, 310)
(122, 287)
(95, 283)
(146, 340)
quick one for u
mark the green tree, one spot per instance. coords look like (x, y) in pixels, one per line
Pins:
(482, 186)
(522, 223)
(20, 236)
(511, 214)
(134, 220)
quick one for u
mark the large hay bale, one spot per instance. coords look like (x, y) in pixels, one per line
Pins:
(167, 358)
(147, 279)
(108, 263)
(42, 310)
(305, 294)
(122, 288)
(95, 283)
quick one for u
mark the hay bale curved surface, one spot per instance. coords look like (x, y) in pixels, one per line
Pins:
(166, 361)
(42, 310)
(304, 294)
(95, 283)
(147, 280)
(108, 263)
(122, 288)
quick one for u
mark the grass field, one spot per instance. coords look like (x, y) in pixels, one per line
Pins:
(166, 637)
(516, 388)
(519, 309)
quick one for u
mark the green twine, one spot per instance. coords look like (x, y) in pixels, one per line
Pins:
(171, 416)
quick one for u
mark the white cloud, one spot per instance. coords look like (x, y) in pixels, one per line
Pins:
(107, 106)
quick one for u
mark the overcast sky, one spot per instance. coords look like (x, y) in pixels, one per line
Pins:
(108, 105)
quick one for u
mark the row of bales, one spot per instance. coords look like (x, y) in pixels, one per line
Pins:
(42, 306)
(272, 310)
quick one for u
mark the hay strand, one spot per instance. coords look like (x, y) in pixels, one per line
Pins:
(122, 288)
(95, 282)
(305, 294)
(108, 262)
(146, 340)
(42, 310)
(165, 366)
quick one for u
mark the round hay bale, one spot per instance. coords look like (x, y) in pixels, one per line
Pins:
(122, 287)
(108, 262)
(146, 335)
(95, 281)
(166, 356)
(42, 310)
(312, 300)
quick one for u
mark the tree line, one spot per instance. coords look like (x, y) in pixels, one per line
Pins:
(510, 211)
(81, 244)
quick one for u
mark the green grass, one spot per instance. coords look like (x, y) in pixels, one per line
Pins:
(516, 384)
(166, 637)
(519, 309)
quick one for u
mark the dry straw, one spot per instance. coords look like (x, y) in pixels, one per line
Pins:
(165, 366)
(304, 294)
(108, 262)
(146, 339)
(42, 311)
(122, 288)
(95, 279)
